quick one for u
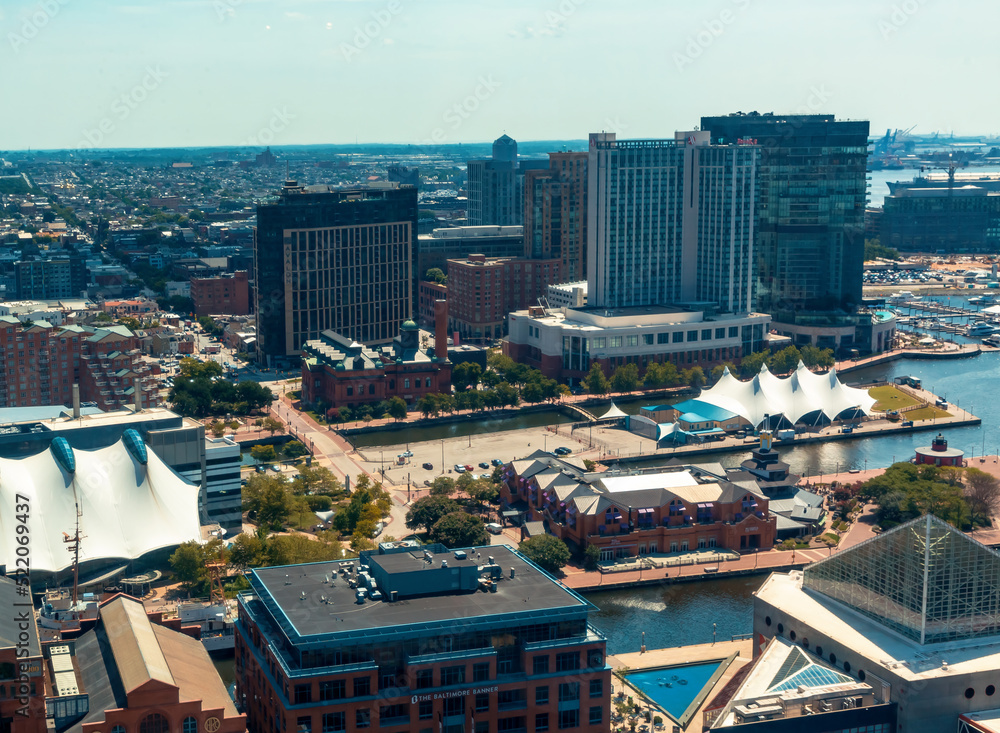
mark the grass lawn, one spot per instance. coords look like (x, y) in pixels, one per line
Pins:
(890, 398)
(925, 413)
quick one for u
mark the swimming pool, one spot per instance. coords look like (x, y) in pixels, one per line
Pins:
(674, 688)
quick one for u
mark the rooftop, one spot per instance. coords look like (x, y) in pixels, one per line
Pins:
(11, 601)
(312, 599)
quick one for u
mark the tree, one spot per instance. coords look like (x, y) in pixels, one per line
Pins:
(532, 392)
(443, 486)
(294, 449)
(813, 356)
(426, 511)
(458, 529)
(264, 453)
(318, 480)
(435, 275)
(625, 378)
(547, 552)
(188, 564)
(591, 556)
(465, 375)
(595, 381)
(483, 492)
(273, 425)
(396, 407)
(874, 249)
(785, 360)
(369, 502)
(429, 405)
(507, 395)
(982, 493)
(268, 497)
(694, 377)
(217, 428)
(751, 364)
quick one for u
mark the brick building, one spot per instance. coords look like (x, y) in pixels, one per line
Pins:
(483, 291)
(40, 363)
(419, 638)
(225, 294)
(337, 371)
(678, 509)
(427, 294)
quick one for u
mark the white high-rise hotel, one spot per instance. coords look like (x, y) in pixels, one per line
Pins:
(671, 222)
(670, 261)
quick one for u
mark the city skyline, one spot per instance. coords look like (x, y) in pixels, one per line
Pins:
(245, 72)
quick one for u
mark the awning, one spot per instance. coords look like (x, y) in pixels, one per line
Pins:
(645, 511)
(705, 506)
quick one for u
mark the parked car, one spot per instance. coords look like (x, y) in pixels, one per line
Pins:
(484, 464)
(468, 467)
(562, 451)
(407, 454)
(496, 462)
(276, 468)
(494, 528)
(459, 468)
(429, 466)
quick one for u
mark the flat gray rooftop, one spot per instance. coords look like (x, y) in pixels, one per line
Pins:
(530, 590)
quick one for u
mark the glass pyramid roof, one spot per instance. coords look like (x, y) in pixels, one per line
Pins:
(798, 670)
(924, 579)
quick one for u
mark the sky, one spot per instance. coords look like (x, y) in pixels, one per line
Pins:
(185, 73)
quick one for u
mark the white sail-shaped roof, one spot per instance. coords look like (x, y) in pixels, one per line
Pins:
(128, 507)
(793, 397)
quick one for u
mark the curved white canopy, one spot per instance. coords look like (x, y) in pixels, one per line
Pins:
(128, 508)
(793, 397)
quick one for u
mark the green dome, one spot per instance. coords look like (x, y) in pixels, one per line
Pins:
(409, 325)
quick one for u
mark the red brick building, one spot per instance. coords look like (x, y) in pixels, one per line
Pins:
(225, 294)
(481, 292)
(337, 371)
(427, 294)
(674, 510)
(40, 363)
(22, 678)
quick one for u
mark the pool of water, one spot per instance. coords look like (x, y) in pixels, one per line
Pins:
(674, 688)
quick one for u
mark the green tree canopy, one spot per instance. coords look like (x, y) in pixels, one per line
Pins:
(459, 529)
(547, 552)
(396, 407)
(625, 378)
(595, 381)
(269, 497)
(426, 511)
(264, 453)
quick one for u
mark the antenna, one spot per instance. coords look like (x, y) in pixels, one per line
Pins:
(74, 547)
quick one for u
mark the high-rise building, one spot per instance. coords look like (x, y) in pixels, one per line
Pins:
(415, 638)
(496, 185)
(671, 222)
(555, 213)
(810, 240)
(58, 276)
(332, 259)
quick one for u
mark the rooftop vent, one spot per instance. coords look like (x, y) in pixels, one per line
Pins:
(460, 554)
(512, 571)
(302, 597)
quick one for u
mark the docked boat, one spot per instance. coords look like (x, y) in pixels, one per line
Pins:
(983, 300)
(903, 297)
(61, 614)
(217, 621)
(980, 329)
(993, 340)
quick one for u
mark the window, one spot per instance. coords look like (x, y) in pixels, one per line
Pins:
(304, 724)
(393, 714)
(118, 729)
(597, 688)
(452, 675)
(335, 690)
(454, 706)
(647, 339)
(190, 725)
(540, 664)
(350, 391)
(734, 331)
(362, 686)
(406, 384)
(541, 722)
(425, 709)
(720, 333)
(303, 694)
(662, 338)
(569, 691)
(512, 699)
(480, 671)
(632, 340)
(567, 662)
(510, 724)
(569, 719)
(363, 718)
(427, 383)
(678, 337)
(692, 336)
(542, 695)
(425, 678)
(596, 715)
(482, 702)
(706, 334)
(616, 342)
(154, 723)
(334, 722)
(482, 726)
(599, 343)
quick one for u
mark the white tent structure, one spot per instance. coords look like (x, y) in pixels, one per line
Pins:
(130, 502)
(793, 397)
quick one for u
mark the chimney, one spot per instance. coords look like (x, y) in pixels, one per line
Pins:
(441, 330)
(76, 401)
(137, 389)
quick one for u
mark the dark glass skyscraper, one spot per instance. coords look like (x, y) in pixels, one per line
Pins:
(810, 228)
(337, 259)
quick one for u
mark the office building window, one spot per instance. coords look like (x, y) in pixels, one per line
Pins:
(542, 695)
(482, 726)
(335, 690)
(569, 719)
(616, 342)
(599, 343)
(567, 662)
(480, 671)
(596, 715)
(706, 334)
(304, 724)
(425, 679)
(540, 664)
(406, 384)
(482, 702)
(632, 340)
(452, 675)
(541, 722)
(569, 691)
(511, 724)
(720, 333)
(363, 718)
(647, 339)
(303, 694)
(454, 706)
(692, 336)
(334, 722)
(597, 688)
(425, 709)
(362, 686)
(678, 337)
(663, 338)
(734, 331)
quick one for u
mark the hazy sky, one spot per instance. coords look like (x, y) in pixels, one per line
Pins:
(150, 73)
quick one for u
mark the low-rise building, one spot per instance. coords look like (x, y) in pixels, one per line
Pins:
(22, 677)
(223, 294)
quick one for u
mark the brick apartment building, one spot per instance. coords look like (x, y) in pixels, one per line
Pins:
(419, 638)
(40, 363)
(225, 294)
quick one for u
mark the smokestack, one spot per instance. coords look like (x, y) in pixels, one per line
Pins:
(441, 330)
(137, 390)
(76, 401)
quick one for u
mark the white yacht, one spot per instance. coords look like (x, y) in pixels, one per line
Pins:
(980, 329)
(904, 296)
